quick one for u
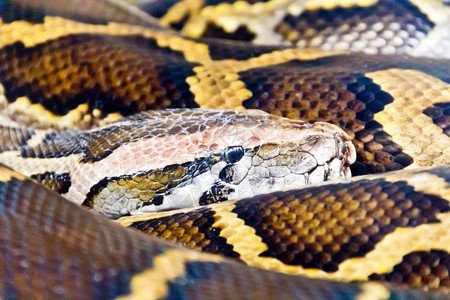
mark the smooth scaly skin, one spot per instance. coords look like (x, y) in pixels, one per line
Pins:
(255, 78)
(419, 28)
(52, 248)
(139, 68)
(392, 227)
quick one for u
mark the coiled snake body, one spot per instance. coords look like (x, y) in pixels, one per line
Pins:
(376, 69)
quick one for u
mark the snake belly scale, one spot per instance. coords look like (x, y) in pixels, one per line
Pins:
(131, 119)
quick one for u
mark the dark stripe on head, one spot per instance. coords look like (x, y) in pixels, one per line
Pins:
(55, 144)
(12, 138)
(192, 229)
(440, 113)
(424, 269)
(59, 183)
(99, 143)
(325, 227)
(124, 74)
(382, 17)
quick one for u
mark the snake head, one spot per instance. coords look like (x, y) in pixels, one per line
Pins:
(165, 160)
(238, 155)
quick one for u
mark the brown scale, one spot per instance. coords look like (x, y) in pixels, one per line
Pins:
(397, 20)
(421, 269)
(321, 227)
(59, 183)
(440, 113)
(112, 73)
(335, 89)
(240, 34)
(41, 248)
(225, 49)
(193, 229)
(341, 100)
(127, 74)
(13, 138)
(66, 252)
(225, 281)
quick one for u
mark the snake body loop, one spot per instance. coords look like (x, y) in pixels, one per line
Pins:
(140, 116)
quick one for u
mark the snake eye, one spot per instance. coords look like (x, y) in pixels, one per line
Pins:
(233, 154)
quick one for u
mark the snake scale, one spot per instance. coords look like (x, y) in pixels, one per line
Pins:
(139, 112)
